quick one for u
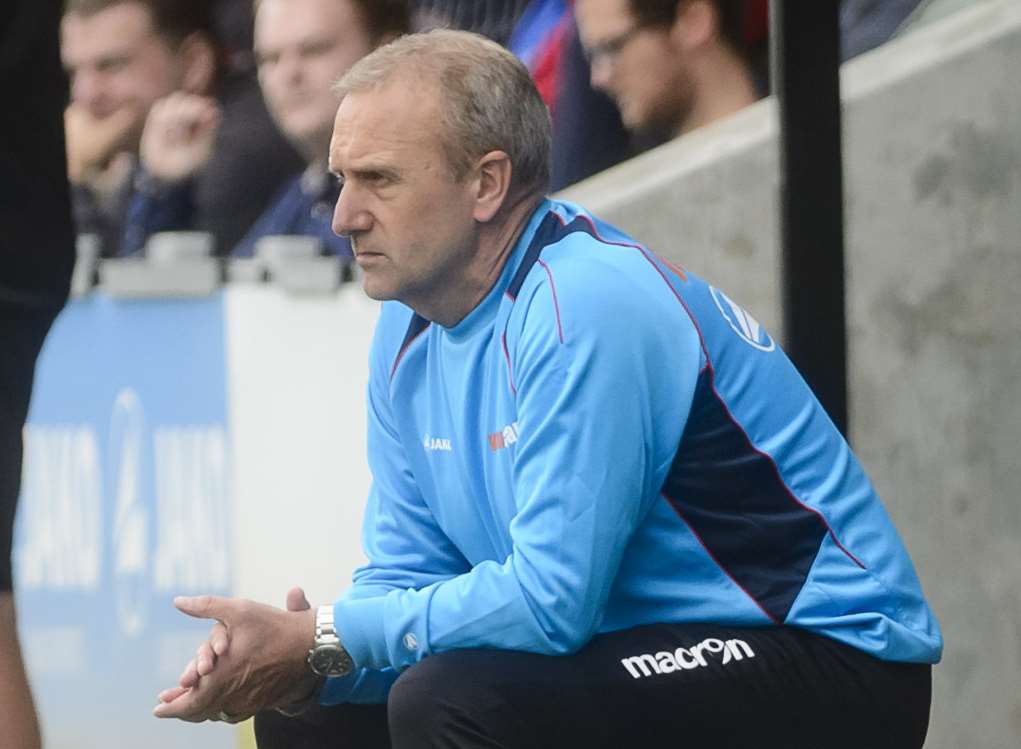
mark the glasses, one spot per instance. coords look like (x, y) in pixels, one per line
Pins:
(608, 49)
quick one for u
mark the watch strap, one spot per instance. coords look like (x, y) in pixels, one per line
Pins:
(326, 631)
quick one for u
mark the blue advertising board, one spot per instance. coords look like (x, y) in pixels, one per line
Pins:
(125, 503)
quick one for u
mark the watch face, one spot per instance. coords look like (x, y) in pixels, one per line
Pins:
(330, 660)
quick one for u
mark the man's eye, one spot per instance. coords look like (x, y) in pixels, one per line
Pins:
(112, 65)
(375, 179)
(316, 49)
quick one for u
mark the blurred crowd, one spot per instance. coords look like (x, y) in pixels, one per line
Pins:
(216, 115)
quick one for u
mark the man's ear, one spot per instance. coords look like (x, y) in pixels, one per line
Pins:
(492, 183)
(198, 63)
(696, 23)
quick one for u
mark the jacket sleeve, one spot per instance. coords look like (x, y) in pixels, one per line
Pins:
(591, 383)
(405, 548)
(153, 208)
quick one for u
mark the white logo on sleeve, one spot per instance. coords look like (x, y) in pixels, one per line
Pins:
(685, 659)
(743, 324)
(432, 444)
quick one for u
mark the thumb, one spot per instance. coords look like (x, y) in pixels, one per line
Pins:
(296, 600)
(204, 607)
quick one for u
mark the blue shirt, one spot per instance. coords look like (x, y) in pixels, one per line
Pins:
(303, 207)
(607, 441)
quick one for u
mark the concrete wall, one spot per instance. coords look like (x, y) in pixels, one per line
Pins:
(933, 190)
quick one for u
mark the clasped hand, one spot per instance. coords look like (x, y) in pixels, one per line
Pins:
(254, 659)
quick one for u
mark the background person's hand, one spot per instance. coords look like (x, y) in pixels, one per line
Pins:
(179, 136)
(92, 142)
(263, 667)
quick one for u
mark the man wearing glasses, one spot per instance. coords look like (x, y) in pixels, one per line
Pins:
(670, 65)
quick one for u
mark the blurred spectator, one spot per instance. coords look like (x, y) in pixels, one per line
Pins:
(249, 148)
(537, 34)
(491, 18)
(756, 43)
(143, 119)
(670, 65)
(865, 24)
(302, 48)
(588, 135)
(233, 21)
(587, 132)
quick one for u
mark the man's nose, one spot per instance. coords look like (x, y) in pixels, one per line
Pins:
(290, 68)
(599, 73)
(350, 216)
(85, 88)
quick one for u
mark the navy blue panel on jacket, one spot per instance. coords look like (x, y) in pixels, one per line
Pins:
(731, 495)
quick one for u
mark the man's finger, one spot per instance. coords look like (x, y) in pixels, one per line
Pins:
(169, 695)
(204, 607)
(187, 706)
(190, 675)
(218, 639)
(205, 659)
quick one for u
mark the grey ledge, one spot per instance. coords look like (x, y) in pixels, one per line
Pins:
(131, 278)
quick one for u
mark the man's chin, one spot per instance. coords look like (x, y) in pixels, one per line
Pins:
(375, 290)
(304, 128)
(632, 118)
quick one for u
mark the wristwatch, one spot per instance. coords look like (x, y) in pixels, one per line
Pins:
(328, 657)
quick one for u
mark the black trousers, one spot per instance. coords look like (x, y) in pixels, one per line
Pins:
(664, 685)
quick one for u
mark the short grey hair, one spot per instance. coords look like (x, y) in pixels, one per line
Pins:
(488, 100)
